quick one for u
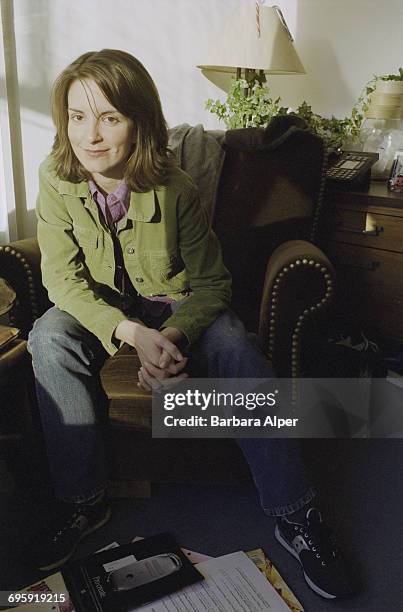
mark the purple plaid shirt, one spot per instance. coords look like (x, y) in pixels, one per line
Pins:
(114, 208)
(116, 204)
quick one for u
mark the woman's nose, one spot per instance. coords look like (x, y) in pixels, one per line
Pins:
(93, 131)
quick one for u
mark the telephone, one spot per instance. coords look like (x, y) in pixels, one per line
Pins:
(350, 169)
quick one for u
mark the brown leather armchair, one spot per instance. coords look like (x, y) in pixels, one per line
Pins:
(267, 217)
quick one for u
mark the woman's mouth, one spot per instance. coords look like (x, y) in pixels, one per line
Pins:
(96, 152)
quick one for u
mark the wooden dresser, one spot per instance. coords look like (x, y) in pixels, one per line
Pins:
(364, 239)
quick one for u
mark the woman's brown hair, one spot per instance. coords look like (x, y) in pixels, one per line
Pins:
(130, 89)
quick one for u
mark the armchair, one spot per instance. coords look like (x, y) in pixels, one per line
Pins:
(267, 217)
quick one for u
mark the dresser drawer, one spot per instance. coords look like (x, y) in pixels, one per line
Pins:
(371, 284)
(368, 229)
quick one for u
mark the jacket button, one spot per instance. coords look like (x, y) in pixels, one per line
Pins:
(139, 279)
(130, 250)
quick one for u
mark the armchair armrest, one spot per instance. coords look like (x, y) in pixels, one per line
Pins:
(298, 287)
(20, 266)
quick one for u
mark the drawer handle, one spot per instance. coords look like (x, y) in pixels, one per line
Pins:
(369, 267)
(353, 230)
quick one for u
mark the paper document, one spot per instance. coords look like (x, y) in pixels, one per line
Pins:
(194, 557)
(233, 584)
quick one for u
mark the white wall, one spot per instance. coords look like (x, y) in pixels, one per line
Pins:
(340, 42)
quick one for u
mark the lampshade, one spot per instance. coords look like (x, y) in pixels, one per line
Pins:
(254, 38)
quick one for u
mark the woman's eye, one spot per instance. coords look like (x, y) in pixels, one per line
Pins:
(110, 119)
(76, 118)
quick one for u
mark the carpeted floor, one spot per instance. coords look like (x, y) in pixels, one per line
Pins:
(362, 496)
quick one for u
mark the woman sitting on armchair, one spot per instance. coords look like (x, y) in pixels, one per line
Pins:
(128, 256)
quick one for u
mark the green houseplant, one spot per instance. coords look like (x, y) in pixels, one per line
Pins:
(258, 107)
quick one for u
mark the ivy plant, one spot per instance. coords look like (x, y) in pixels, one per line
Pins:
(258, 107)
(392, 77)
(240, 110)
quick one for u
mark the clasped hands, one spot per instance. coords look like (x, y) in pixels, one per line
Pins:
(162, 363)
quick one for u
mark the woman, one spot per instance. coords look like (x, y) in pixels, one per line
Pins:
(128, 256)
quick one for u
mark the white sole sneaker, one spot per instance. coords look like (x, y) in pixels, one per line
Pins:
(308, 580)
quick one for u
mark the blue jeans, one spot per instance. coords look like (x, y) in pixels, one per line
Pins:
(67, 359)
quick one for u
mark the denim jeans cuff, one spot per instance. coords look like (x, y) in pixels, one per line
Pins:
(86, 497)
(293, 507)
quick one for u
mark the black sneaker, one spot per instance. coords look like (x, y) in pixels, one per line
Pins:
(71, 523)
(312, 545)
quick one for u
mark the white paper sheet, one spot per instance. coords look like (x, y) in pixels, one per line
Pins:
(232, 584)
(194, 557)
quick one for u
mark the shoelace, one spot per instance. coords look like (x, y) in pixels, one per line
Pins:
(70, 521)
(321, 542)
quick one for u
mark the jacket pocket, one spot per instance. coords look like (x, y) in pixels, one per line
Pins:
(86, 238)
(164, 273)
(90, 253)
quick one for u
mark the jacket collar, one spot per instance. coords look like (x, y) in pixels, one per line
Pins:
(142, 205)
(80, 190)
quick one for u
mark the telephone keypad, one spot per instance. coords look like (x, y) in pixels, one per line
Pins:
(350, 166)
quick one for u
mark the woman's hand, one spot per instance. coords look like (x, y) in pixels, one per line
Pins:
(149, 343)
(169, 372)
(152, 378)
(175, 336)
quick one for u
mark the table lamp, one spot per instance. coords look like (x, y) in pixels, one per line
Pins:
(255, 41)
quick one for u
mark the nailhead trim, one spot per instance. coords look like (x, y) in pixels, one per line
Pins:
(30, 280)
(320, 199)
(296, 337)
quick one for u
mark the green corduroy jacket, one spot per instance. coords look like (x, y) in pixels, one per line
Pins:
(167, 245)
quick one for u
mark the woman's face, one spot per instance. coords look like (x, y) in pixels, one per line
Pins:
(101, 137)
